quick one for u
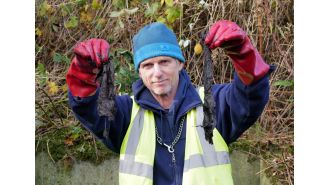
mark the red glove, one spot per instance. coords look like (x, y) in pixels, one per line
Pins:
(89, 56)
(247, 61)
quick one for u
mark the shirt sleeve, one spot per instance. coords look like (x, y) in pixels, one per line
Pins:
(111, 133)
(238, 106)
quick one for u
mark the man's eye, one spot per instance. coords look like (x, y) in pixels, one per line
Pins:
(147, 65)
(164, 61)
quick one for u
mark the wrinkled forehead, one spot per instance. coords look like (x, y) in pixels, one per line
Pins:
(158, 58)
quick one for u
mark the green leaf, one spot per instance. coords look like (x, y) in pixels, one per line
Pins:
(66, 9)
(41, 69)
(119, 4)
(284, 83)
(44, 8)
(60, 58)
(131, 11)
(172, 14)
(81, 2)
(71, 23)
(161, 19)
(169, 3)
(152, 9)
(116, 13)
(57, 57)
(42, 75)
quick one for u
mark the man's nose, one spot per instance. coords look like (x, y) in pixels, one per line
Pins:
(157, 70)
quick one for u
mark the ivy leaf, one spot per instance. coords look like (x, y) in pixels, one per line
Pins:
(60, 58)
(172, 14)
(96, 4)
(71, 23)
(57, 58)
(152, 9)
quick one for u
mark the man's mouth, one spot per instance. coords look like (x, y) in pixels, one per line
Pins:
(159, 82)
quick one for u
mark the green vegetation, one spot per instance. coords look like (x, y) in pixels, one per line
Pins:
(61, 24)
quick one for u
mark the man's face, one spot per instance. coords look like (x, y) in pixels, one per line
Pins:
(161, 75)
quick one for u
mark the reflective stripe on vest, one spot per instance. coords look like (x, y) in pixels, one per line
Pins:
(204, 163)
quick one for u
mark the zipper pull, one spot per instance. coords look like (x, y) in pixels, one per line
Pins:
(169, 148)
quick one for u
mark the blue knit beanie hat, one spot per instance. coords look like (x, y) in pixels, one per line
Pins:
(154, 40)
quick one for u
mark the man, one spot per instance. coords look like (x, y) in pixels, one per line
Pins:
(158, 131)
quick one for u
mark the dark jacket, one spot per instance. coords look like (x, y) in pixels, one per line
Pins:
(237, 108)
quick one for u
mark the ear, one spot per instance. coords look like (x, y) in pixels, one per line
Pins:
(139, 74)
(181, 64)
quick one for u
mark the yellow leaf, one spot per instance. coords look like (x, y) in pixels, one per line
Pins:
(45, 9)
(38, 32)
(85, 17)
(161, 19)
(68, 141)
(198, 49)
(86, 7)
(96, 4)
(64, 88)
(101, 21)
(52, 88)
(162, 2)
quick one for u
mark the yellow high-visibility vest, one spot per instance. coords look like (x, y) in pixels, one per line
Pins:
(204, 164)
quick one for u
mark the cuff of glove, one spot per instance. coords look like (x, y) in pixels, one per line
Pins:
(248, 63)
(251, 71)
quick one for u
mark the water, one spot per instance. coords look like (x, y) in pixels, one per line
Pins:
(86, 173)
